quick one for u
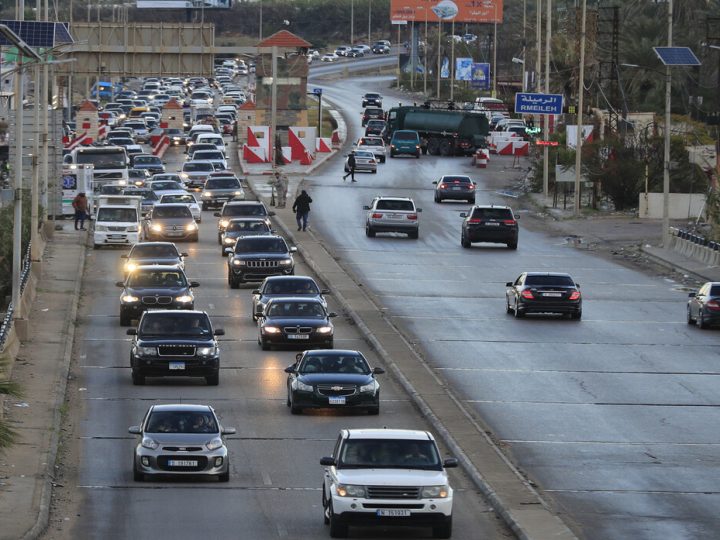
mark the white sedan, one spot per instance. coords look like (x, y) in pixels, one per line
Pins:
(186, 198)
(329, 57)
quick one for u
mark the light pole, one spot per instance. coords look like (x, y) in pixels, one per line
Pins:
(425, 53)
(581, 90)
(494, 79)
(546, 126)
(668, 120)
(369, 22)
(352, 22)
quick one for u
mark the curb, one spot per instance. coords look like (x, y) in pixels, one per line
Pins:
(672, 266)
(46, 497)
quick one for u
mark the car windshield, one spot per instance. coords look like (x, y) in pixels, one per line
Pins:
(111, 190)
(181, 422)
(139, 160)
(175, 324)
(222, 183)
(291, 287)
(376, 123)
(374, 112)
(146, 194)
(715, 290)
(352, 364)
(296, 309)
(561, 281)
(363, 154)
(492, 213)
(248, 226)
(264, 245)
(157, 279)
(405, 136)
(171, 212)
(117, 214)
(208, 154)
(163, 185)
(371, 141)
(389, 454)
(144, 251)
(406, 206)
(372, 96)
(186, 199)
(198, 167)
(244, 210)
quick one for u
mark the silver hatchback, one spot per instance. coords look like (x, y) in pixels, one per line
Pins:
(181, 440)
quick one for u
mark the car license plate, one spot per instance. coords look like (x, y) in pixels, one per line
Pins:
(393, 512)
(176, 366)
(298, 336)
(553, 294)
(456, 188)
(115, 236)
(182, 463)
(492, 223)
(337, 400)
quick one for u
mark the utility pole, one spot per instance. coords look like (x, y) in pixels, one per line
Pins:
(352, 22)
(546, 131)
(524, 47)
(452, 61)
(369, 22)
(538, 44)
(17, 214)
(581, 90)
(273, 108)
(439, 59)
(668, 120)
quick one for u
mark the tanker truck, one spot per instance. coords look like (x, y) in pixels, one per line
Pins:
(443, 132)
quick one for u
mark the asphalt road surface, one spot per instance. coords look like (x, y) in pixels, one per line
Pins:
(614, 417)
(274, 489)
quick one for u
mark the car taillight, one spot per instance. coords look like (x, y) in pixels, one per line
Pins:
(412, 216)
(377, 215)
(476, 221)
(442, 186)
(713, 305)
(575, 295)
(527, 293)
(509, 221)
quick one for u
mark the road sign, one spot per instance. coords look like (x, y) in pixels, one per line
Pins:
(676, 56)
(538, 103)
(317, 91)
(546, 143)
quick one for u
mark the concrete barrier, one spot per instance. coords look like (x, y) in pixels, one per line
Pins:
(694, 249)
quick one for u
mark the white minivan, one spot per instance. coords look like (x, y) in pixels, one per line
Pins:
(212, 138)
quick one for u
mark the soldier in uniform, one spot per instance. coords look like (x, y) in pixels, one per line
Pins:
(280, 182)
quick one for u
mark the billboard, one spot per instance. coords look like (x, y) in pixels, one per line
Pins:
(464, 11)
(480, 76)
(463, 69)
(184, 4)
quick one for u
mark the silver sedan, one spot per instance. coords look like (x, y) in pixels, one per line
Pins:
(364, 161)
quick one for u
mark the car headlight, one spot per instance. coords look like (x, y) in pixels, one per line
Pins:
(129, 298)
(229, 240)
(184, 298)
(349, 490)
(130, 267)
(156, 228)
(435, 492)
(100, 228)
(132, 228)
(146, 351)
(223, 223)
(370, 387)
(238, 193)
(207, 351)
(147, 442)
(271, 330)
(299, 385)
(184, 175)
(192, 227)
(324, 330)
(206, 194)
(214, 444)
(285, 262)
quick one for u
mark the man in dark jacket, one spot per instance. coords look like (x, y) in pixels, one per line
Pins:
(301, 207)
(351, 167)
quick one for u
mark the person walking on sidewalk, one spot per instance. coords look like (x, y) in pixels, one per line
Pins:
(235, 131)
(280, 183)
(351, 167)
(301, 207)
(80, 205)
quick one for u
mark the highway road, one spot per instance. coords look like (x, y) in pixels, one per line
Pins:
(615, 417)
(274, 488)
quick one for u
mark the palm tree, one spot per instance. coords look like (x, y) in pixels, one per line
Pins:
(8, 388)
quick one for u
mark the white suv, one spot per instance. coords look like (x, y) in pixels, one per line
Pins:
(392, 214)
(387, 477)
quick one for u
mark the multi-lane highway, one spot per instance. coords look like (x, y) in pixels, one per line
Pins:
(614, 417)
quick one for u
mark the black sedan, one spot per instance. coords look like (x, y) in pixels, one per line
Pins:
(295, 321)
(148, 287)
(149, 253)
(454, 187)
(337, 378)
(543, 292)
(496, 224)
(279, 286)
(703, 308)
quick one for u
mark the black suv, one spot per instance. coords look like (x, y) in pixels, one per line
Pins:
(372, 99)
(256, 257)
(154, 286)
(496, 224)
(175, 343)
(238, 209)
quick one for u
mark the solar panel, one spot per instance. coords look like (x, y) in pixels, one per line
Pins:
(676, 56)
(38, 33)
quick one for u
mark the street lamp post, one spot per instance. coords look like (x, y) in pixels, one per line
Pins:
(668, 120)
(581, 90)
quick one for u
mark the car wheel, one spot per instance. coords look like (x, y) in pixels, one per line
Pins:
(392, 154)
(204, 206)
(374, 411)
(444, 530)
(417, 155)
(690, 320)
(701, 321)
(264, 345)
(577, 315)
(224, 477)
(195, 238)
(374, 171)
(337, 529)
(234, 284)
(326, 510)
(382, 159)
(512, 245)
(137, 475)
(370, 232)
(294, 409)
(287, 399)
(125, 318)
(213, 380)
(137, 378)
(96, 246)
(330, 344)
(414, 234)
(472, 200)
(219, 238)
(464, 242)
(437, 198)
(517, 312)
(508, 309)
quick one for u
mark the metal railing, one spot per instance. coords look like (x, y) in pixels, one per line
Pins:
(7, 319)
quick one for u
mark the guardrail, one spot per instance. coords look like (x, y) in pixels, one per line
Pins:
(695, 246)
(6, 324)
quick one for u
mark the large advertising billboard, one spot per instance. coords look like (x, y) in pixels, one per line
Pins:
(184, 4)
(463, 11)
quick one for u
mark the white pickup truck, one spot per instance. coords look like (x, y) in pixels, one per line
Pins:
(117, 221)
(387, 477)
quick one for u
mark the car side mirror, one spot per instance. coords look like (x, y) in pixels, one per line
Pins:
(228, 250)
(290, 369)
(332, 314)
(184, 255)
(378, 371)
(293, 249)
(134, 430)
(194, 284)
(365, 207)
(418, 210)
(509, 284)
(229, 431)
(271, 214)
(328, 462)
(517, 218)
(692, 295)
(131, 332)
(256, 291)
(124, 256)
(435, 183)
(450, 463)
(219, 332)
(325, 291)
(217, 214)
(577, 285)
(463, 214)
(119, 284)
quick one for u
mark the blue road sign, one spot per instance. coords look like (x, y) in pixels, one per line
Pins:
(538, 103)
(317, 91)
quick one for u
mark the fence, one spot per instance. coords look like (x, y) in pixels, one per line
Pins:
(7, 319)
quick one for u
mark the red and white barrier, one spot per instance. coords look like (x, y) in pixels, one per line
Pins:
(323, 144)
(286, 155)
(335, 139)
(102, 131)
(162, 145)
(504, 147)
(302, 141)
(82, 139)
(254, 154)
(258, 144)
(521, 148)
